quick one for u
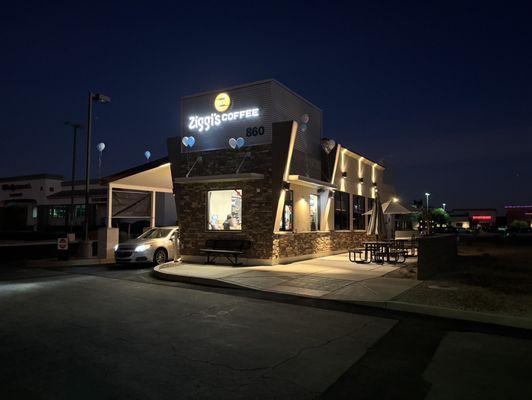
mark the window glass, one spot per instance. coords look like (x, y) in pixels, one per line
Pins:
(224, 210)
(314, 213)
(155, 233)
(34, 212)
(57, 211)
(287, 218)
(79, 210)
(359, 208)
(341, 210)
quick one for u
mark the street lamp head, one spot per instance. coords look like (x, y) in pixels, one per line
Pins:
(427, 194)
(74, 124)
(101, 98)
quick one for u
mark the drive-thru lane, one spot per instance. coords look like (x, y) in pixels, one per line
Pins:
(107, 332)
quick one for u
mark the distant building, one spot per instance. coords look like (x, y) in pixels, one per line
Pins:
(472, 218)
(519, 213)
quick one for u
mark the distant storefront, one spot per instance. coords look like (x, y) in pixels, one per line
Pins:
(251, 163)
(473, 218)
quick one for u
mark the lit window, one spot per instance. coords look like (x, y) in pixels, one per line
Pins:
(359, 208)
(34, 212)
(287, 218)
(314, 213)
(341, 210)
(224, 210)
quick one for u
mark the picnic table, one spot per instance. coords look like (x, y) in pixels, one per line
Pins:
(380, 250)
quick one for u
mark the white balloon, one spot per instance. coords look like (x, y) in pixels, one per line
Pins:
(185, 141)
(147, 154)
(232, 143)
(100, 147)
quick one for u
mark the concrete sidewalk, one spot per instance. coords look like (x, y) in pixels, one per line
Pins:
(332, 277)
(329, 278)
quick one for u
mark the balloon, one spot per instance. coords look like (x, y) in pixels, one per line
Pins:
(240, 142)
(191, 141)
(100, 147)
(232, 143)
(185, 141)
(327, 145)
(305, 118)
(147, 154)
(303, 127)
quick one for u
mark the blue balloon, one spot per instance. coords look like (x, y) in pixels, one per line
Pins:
(240, 142)
(191, 141)
(147, 154)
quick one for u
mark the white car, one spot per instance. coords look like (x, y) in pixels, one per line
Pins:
(155, 245)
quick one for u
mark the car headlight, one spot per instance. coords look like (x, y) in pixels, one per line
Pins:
(116, 247)
(142, 247)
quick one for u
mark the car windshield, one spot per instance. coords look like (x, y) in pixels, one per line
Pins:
(155, 233)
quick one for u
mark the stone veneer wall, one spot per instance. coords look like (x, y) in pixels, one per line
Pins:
(299, 244)
(257, 209)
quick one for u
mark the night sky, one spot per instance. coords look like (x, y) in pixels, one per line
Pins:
(441, 92)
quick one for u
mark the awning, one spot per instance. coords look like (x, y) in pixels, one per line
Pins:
(249, 176)
(310, 182)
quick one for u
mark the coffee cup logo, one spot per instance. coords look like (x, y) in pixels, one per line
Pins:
(222, 102)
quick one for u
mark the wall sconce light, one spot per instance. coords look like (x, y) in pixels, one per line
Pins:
(286, 185)
(344, 174)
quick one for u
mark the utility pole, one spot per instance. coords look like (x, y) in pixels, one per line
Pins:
(75, 126)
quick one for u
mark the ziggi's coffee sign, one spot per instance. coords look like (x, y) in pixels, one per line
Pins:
(222, 102)
(209, 121)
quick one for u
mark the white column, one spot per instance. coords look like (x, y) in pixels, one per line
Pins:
(152, 216)
(110, 206)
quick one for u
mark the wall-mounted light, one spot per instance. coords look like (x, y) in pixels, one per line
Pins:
(344, 174)
(286, 185)
(395, 199)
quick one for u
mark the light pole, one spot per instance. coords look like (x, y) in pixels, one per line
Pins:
(75, 126)
(443, 205)
(428, 214)
(100, 98)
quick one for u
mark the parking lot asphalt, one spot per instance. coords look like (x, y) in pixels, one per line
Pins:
(113, 332)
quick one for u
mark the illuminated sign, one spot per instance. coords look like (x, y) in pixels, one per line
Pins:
(222, 102)
(481, 217)
(206, 122)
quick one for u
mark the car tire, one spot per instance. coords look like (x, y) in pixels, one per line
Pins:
(160, 256)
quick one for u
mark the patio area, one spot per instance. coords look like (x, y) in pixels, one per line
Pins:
(333, 277)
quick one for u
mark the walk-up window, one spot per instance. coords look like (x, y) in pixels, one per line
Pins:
(314, 209)
(224, 210)
(287, 217)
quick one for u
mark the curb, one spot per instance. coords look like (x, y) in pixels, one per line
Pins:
(194, 280)
(464, 315)
(412, 308)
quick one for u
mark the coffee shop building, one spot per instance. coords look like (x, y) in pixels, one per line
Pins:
(252, 163)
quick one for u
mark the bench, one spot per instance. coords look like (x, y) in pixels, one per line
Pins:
(228, 248)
